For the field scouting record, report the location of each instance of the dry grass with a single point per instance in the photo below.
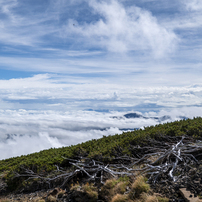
(61, 193)
(145, 197)
(91, 191)
(119, 198)
(120, 188)
(139, 187)
(51, 199)
(110, 184)
(75, 187)
(114, 190)
(107, 190)
(151, 199)
(162, 199)
(114, 187)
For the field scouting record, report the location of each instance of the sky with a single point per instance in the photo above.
(68, 67)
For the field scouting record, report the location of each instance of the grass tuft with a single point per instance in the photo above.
(119, 198)
(91, 191)
(51, 199)
(151, 199)
(161, 199)
(139, 187)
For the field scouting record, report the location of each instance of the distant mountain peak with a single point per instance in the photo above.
(133, 115)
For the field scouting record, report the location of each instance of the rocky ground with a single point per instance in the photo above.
(192, 182)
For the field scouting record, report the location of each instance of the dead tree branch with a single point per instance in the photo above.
(163, 158)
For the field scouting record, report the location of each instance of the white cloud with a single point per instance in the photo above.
(121, 30)
(193, 5)
(186, 20)
(54, 92)
(21, 28)
(26, 110)
(33, 130)
(17, 145)
(37, 130)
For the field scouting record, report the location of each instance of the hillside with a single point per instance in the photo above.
(67, 166)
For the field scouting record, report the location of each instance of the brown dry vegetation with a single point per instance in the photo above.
(114, 190)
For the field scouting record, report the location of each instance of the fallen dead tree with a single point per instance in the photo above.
(91, 170)
(177, 159)
(166, 162)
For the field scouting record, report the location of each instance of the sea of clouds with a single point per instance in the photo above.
(46, 113)
(24, 131)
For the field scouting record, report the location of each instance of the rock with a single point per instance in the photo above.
(188, 196)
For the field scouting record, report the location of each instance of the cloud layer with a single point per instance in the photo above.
(44, 111)
(25, 131)
(17, 145)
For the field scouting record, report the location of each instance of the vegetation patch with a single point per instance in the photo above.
(103, 161)
(139, 187)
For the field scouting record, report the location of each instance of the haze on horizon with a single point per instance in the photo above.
(68, 67)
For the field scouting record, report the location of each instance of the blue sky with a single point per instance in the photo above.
(80, 62)
(104, 38)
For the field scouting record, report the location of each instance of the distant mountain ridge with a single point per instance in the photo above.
(137, 115)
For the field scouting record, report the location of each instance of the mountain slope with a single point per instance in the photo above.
(105, 150)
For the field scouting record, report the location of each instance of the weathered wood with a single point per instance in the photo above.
(164, 158)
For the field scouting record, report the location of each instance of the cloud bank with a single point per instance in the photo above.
(23, 132)
(17, 145)
(46, 110)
